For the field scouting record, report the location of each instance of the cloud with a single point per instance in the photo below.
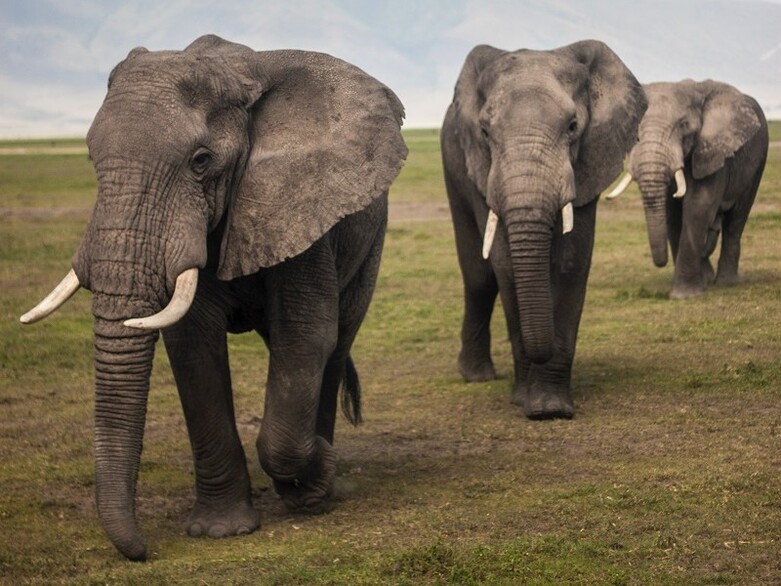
(57, 55)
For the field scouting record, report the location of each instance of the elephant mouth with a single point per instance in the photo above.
(567, 224)
(177, 307)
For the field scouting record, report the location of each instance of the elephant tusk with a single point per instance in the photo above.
(184, 293)
(567, 219)
(490, 233)
(619, 189)
(54, 300)
(680, 182)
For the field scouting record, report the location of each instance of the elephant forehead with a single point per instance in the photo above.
(664, 95)
(147, 109)
(134, 127)
(537, 68)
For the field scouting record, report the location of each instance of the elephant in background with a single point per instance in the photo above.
(698, 164)
(238, 190)
(528, 143)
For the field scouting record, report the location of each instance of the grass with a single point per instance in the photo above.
(667, 475)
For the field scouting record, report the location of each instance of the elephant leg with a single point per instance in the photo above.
(674, 224)
(354, 302)
(711, 240)
(303, 332)
(549, 390)
(197, 350)
(480, 292)
(521, 364)
(700, 207)
(732, 230)
(729, 257)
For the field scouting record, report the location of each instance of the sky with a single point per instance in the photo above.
(57, 54)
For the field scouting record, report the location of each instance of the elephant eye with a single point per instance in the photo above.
(484, 131)
(573, 127)
(200, 161)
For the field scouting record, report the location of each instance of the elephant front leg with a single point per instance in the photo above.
(197, 350)
(303, 333)
(474, 359)
(548, 388)
(480, 292)
(693, 269)
(301, 463)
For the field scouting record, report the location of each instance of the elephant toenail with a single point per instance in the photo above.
(217, 530)
(195, 530)
(243, 530)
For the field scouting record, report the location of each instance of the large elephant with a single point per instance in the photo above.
(238, 190)
(528, 144)
(709, 141)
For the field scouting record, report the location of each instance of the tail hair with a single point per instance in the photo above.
(351, 393)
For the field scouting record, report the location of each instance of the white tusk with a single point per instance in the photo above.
(184, 293)
(490, 232)
(619, 189)
(680, 182)
(54, 300)
(567, 219)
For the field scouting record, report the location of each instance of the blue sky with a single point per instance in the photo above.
(56, 54)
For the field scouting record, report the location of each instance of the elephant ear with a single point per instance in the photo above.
(467, 103)
(728, 122)
(326, 142)
(617, 103)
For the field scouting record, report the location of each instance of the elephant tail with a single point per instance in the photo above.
(351, 393)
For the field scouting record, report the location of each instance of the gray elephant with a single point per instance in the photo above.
(238, 190)
(709, 141)
(528, 144)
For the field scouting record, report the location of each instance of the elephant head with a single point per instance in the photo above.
(220, 158)
(689, 125)
(542, 131)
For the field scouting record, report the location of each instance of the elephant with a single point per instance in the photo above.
(710, 141)
(529, 141)
(237, 191)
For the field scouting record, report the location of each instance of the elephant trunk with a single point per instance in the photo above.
(655, 206)
(655, 164)
(530, 250)
(123, 364)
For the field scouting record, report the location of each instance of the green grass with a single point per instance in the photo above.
(667, 475)
(775, 130)
(421, 178)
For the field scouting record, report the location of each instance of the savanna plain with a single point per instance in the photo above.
(669, 473)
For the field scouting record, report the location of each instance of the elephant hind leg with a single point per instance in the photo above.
(729, 258)
(339, 372)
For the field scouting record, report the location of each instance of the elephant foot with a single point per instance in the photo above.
(310, 492)
(206, 521)
(708, 274)
(546, 402)
(686, 292)
(727, 279)
(476, 371)
(518, 396)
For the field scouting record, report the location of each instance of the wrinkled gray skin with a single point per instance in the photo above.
(719, 137)
(269, 172)
(527, 132)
